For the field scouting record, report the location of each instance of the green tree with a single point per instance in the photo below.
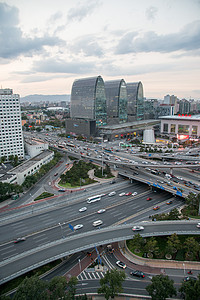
(161, 288)
(71, 288)
(174, 214)
(173, 243)
(191, 247)
(190, 289)
(57, 288)
(151, 246)
(32, 288)
(137, 242)
(111, 284)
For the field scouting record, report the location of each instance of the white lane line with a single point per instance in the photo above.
(119, 214)
(5, 253)
(39, 235)
(19, 225)
(11, 246)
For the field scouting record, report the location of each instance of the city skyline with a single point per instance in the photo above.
(46, 45)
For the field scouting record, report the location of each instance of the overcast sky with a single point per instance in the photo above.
(46, 44)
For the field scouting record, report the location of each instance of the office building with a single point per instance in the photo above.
(88, 100)
(11, 138)
(135, 104)
(116, 96)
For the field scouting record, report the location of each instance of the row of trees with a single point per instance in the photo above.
(7, 189)
(160, 288)
(191, 247)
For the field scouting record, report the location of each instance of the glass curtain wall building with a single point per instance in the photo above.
(88, 100)
(116, 95)
(135, 106)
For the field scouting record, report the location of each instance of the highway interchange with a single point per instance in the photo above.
(47, 222)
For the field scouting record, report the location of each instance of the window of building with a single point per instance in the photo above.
(183, 128)
(194, 129)
(173, 128)
(165, 127)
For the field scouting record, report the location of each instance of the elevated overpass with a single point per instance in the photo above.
(29, 260)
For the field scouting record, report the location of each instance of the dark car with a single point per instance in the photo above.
(61, 190)
(187, 278)
(137, 274)
(19, 240)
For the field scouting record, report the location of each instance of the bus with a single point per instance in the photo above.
(94, 198)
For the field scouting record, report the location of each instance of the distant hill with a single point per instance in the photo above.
(42, 98)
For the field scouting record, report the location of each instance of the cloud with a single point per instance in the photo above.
(88, 46)
(12, 41)
(81, 11)
(187, 39)
(151, 13)
(61, 66)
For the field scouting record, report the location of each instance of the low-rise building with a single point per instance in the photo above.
(18, 174)
(34, 147)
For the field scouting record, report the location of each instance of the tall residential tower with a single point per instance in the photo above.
(11, 138)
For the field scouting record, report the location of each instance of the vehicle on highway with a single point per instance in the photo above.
(134, 194)
(135, 173)
(156, 207)
(61, 190)
(94, 199)
(128, 194)
(198, 225)
(100, 211)
(83, 209)
(122, 194)
(121, 264)
(137, 228)
(79, 226)
(112, 194)
(149, 198)
(160, 181)
(137, 274)
(97, 223)
(169, 202)
(187, 278)
(55, 174)
(112, 182)
(18, 240)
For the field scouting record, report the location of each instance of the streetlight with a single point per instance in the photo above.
(102, 152)
(61, 228)
(79, 262)
(184, 268)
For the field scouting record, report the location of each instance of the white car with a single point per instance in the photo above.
(83, 209)
(137, 228)
(79, 226)
(134, 194)
(180, 178)
(100, 211)
(112, 194)
(122, 194)
(121, 264)
(198, 225)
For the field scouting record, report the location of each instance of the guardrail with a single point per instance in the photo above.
(97, 234)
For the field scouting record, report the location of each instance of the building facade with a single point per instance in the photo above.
(11, 137)
(116, 96)
(88, 100)
(34, 147)
(181, 125)
(135, 104)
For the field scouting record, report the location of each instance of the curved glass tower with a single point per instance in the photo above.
(88, 100)
(135, 105)
(116, 95)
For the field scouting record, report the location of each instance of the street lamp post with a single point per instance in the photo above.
(61, 228)
(184, 268)
(79, 262)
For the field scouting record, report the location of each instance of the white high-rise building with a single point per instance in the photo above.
(11, 137)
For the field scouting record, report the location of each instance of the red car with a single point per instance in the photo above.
(149, 198)
(128, 194)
